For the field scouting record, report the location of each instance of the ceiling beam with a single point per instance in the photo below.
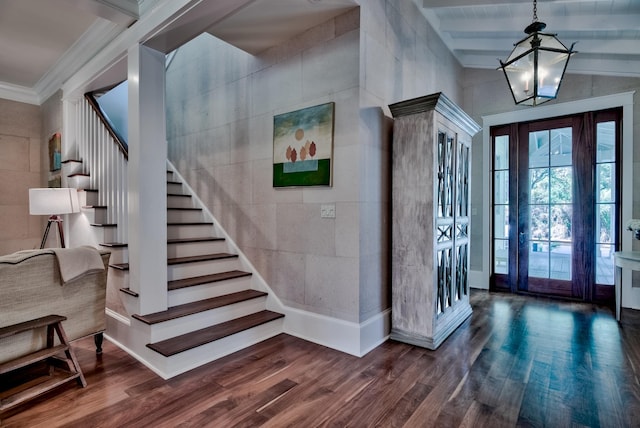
(432, 4)
(577, 65)
(555, 24)
(591, 46)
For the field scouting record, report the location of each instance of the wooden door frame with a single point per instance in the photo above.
(582, 284)
(482, 240)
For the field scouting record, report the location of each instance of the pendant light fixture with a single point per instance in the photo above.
(535, 67)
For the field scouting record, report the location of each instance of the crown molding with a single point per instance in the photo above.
(17, 93)
(99, 34)
(128, 8)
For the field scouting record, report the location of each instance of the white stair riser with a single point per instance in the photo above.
(87, 198)
(179, 202)
(70, 168)
(190, 231)
(105, 234)
(184, 216)
(118, 254)
(121, 275)
(118, 279)
(188, 249)
(174, 188)
(188, 324)
(95, 215)
(189, 270)
(192, 358)
(79, 182)
(209, 290)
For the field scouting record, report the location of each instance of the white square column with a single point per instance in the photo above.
(147, 178)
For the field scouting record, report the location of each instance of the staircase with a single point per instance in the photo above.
(215, 305)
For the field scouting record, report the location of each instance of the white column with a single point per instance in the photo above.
(147, 179)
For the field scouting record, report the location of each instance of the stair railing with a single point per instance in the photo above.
(106, 163)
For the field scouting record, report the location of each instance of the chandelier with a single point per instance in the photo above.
(535, 67)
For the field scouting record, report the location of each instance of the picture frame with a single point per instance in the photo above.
(303, 147)
(55, 152)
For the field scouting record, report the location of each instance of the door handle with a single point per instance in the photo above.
(522, 238)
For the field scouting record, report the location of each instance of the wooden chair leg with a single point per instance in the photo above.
(98, 338)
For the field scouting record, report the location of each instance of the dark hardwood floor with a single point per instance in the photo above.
(518, 361)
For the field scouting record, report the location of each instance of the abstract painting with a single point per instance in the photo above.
(303, 147)
(55, 152)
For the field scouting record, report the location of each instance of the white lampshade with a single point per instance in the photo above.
(53, 201)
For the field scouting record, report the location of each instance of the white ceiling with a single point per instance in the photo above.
(35, 34)
(478, 32)
(39, 38)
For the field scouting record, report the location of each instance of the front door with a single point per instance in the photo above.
(555, 217)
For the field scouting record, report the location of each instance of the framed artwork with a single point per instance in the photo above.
(55, 152)
(303, 147)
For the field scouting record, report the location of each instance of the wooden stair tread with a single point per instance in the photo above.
(205, 279)
(95, 207)
(173, 182)
(199, 306)
(31, 358)
(79, 174)
(114, 244)
(179, 194)
(71, 160)
(184, 209)
(201, 258)
(194, 223)
(58, 378)
(120, 266)
(197, 338)
(104, 224)
(129, 291)
(191, 240)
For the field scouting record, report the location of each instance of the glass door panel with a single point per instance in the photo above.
(606, 192)
(501, 205)
(550, 204)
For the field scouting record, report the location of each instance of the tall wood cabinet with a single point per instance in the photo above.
(430, 219)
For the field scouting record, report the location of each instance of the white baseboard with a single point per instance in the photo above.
(352, 338)
(477, 280)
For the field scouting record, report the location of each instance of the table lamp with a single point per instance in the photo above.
(53, 202)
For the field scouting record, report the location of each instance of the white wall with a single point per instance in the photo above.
(401, 57)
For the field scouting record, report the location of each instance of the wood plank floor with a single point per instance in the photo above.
(518, 361)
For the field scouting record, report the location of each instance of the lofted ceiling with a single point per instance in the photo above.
(43, 41)
(478, 32)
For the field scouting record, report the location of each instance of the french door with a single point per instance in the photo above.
(555, 221)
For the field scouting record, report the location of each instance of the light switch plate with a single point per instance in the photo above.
(328, 211)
